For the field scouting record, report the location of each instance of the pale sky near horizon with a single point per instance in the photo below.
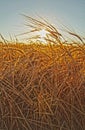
(70, 12)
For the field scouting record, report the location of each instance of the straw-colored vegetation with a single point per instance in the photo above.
(42, 87)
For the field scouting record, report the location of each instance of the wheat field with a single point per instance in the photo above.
(42, 86)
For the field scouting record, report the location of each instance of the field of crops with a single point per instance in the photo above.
(42, 86)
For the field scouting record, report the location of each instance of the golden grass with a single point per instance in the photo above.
(42, 87)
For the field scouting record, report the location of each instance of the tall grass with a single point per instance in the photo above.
(42, 87)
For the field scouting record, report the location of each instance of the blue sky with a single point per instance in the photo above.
(70, 12)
